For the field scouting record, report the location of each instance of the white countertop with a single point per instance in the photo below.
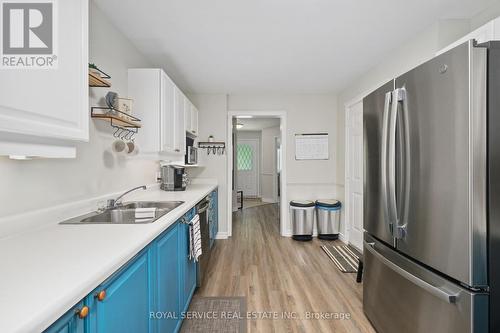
(45, 271)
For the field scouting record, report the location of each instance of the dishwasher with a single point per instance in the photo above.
(202, 211)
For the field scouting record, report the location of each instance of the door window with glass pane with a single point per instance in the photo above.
(244, 157)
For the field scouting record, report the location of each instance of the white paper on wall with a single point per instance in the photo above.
(313, 146)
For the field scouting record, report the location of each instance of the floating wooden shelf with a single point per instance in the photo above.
(97, 81)
(115, 117)
(118, 121)
(212, 144)
(214, 147)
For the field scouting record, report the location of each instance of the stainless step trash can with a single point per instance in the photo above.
(302, 217)
(328, 218)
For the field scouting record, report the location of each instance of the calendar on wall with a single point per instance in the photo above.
(312, 146)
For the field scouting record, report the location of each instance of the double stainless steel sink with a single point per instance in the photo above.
(128, 213)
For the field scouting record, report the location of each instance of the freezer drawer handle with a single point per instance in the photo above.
(439, 293)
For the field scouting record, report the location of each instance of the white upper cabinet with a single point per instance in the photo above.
(165, 112)
(187, 114)
(191, 118)
(44, 79)
(154, 96)
(168, 114)
(146, 89)
(194, 120)
(180, 132)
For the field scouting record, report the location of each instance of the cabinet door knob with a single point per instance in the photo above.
(101, 295)
(83, 312)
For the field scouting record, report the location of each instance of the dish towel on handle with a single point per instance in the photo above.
(195, 238)
(145, 213)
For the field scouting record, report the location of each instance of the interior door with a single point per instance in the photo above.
(447, 164)
(355, 174)
(247, 166)
(375, 219)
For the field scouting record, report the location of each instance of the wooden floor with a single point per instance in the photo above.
(278, 274)
(253, 202)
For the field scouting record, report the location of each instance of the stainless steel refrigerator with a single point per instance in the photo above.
(432, 196)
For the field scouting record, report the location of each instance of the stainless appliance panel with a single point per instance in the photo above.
(446, 204)
(192, 155)
(375, 214)
(401, 296)
(494, 183)
(202, 211)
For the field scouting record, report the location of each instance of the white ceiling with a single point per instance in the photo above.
(257, 124)
(268, 46)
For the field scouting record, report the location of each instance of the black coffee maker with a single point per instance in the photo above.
(173, 178)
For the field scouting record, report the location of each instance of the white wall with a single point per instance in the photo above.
(484, 16)
(212, 121)
(28, 185)
(305, 114)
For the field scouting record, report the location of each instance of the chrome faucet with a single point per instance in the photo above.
(112, 203)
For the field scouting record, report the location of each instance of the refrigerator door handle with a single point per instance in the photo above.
(401, 216)
(403, 220)
(436, 291)
(391, 158)
(384, 159)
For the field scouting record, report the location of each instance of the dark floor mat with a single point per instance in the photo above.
(345, 257)
(216, 314)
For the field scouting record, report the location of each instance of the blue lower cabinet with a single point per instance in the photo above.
(188, 268)
(168, 276)
(71, 322)
(147, 295)
(127, 302)
(213, 215)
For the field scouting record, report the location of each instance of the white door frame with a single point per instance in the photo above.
(258, 157)
(275, 169)
(284, 223)
(347, 108)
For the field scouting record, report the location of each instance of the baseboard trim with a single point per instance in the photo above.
(268, 200)
(221, 235)
(343, 238)
(315, 235)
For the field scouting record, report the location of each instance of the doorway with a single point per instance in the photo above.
(354, 174)
(258, 166)
(247, 167)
